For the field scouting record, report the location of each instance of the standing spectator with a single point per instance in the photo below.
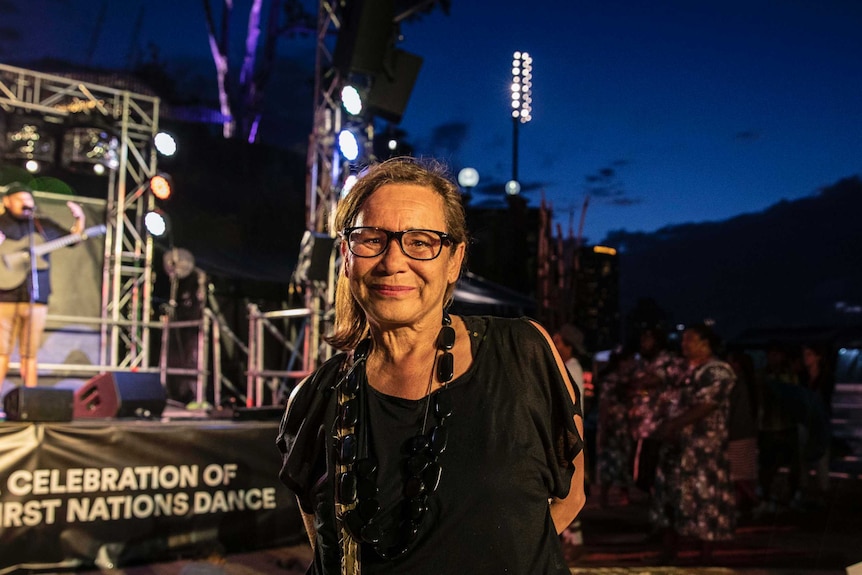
(701, 503)
(742, 431)
(614, 441)
(651, 393)
(569, 341)
(778, 436)
(819, 380)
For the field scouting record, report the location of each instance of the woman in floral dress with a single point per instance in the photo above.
(700, 495)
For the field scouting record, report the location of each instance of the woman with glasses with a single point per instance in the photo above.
(434, 443)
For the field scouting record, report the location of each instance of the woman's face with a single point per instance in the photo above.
(810, 357)
(393, 289)
(694, 346)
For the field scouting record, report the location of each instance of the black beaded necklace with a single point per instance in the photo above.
(356, 483)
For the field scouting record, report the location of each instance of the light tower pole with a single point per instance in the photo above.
(522, 105)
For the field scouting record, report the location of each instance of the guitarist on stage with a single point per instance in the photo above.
(24, 308)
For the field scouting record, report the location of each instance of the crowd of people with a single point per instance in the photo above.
(709, 434)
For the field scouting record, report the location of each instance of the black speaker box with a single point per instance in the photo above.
(366, 32)
(121, 394)
(392, 87)
(314, 253)
(38, 404)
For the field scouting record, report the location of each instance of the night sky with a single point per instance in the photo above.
(664, 112)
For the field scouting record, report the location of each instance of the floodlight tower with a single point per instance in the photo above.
(522, 105)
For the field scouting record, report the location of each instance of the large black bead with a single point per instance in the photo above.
(347, 449)
(347, 488)
(371, 533)
(439, 439)
(414, 487)
(354, 523)
(431, 477)
(367, 468)
(351, 383)
(366, 488)
(445, 367)
(446, 339)
(348, 413)
(442, 404)
(417, 444)
(368, 508)
(416, 464)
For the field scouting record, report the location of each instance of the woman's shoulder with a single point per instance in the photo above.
(320, 380)
(501, 326)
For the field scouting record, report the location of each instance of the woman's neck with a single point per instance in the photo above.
(401, 362)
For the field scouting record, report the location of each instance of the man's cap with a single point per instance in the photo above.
(15, 188)
(573, 337)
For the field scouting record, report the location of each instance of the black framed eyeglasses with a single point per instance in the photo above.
(368, 242)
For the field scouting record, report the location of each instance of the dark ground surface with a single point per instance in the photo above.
(812, 537)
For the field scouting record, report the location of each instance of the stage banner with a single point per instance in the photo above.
(117, 493)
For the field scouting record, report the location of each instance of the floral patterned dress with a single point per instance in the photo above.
(615, 441)
(694, 493)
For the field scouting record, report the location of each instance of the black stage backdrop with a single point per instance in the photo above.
(115, 493)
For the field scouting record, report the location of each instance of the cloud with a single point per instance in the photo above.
(604, 184)
(447, 139)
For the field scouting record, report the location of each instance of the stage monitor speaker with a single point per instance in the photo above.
(314, 253)
(367, 29)
(38, 404)
(392, 87)
(121, 394)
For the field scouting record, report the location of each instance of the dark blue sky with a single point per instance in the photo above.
(702, 110)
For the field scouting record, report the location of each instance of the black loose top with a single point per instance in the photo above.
(511, 443)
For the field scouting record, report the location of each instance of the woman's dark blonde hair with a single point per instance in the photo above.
(351, 324)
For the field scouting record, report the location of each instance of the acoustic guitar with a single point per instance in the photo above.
(15, 254)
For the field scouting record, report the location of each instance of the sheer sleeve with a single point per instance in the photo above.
(565, 443)
(303, 432)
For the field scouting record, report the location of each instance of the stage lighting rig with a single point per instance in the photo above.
(90, 149)
(29, 142)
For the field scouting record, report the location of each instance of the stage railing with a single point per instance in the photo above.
(260, 324)
(212, 333)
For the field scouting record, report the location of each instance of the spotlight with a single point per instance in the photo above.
(165, 143)
(351, 100)
(348, 145)
(156, 223)
(160, 185)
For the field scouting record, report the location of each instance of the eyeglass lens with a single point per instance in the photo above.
(417, 244)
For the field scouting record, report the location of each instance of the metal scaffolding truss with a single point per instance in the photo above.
(326, 171)
(127, 273)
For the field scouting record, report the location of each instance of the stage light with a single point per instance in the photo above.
(348, 145)
(160, 185)
(156, 223)
(165, 143)
(29, 142)
(351, 100)
(90, 149)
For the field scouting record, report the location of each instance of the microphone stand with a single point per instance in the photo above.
(33, 291)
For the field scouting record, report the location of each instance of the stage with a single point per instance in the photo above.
(113, 492)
